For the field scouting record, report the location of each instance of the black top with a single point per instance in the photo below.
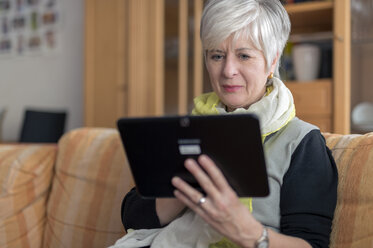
(307, 202)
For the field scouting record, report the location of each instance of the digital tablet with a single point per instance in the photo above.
(156, 148)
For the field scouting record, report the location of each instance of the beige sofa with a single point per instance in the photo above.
(69, 195)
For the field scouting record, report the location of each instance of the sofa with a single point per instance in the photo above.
(69, 194)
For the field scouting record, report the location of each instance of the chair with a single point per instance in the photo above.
(362, 117)
(2, 115)
(42, 126)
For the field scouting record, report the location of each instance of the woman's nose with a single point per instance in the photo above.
(230, 68)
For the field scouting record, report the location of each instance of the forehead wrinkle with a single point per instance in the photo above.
(234, 44)
(243, 49)
(216, 50)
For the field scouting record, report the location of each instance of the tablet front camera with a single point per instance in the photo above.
(184, 122)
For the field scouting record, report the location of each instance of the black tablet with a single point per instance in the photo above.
(156, 148)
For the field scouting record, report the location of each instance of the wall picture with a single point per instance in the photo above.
(29, 27)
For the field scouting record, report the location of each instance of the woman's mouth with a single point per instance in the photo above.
(231, 88)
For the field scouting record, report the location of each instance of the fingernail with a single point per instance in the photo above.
(175, 180)
(188, 162)
(202, 157)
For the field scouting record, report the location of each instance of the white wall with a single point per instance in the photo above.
(47, 81)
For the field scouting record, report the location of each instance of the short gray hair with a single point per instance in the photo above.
(263, 22)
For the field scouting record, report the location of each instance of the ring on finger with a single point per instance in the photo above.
(201, 201)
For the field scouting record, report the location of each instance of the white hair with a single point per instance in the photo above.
(265, 23)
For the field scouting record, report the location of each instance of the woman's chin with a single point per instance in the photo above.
(234, 104)
(232, 107)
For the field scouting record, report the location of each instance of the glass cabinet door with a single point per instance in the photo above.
(361, 65)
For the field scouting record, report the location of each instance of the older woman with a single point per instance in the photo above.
(243, 41)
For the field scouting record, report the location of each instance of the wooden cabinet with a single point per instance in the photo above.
(313, 102)
(124, 66)
(130, 69)
(144, 57)
(325, 102)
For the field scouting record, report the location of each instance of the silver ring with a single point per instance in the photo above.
(201, 201)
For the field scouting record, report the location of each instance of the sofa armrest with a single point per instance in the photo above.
(26, 172)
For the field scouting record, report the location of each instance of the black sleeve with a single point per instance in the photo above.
(139, 213)
(309, 192)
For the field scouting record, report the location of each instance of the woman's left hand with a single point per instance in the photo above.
(222, 208)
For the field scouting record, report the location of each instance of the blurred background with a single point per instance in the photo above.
(41, 61)
(98, 60)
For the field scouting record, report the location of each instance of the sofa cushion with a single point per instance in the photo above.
(91, 179)
(25, 177)
(353, 219)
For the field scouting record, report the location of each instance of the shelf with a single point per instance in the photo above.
(317, 81)
(309, 7)
(309, 37)
(311, 17)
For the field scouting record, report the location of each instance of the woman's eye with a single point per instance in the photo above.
(217, 57)
(244, 56)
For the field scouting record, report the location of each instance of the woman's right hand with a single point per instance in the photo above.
(168, 209)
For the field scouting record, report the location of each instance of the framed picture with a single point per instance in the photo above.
(29, 27)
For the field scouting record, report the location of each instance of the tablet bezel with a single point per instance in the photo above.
(154, 149)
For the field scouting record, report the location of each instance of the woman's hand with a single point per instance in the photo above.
(222, 209)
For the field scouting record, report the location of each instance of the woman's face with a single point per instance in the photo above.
(237, 73)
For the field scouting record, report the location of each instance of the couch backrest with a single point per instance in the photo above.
(353, 218)
(92, 176)
(91, 179)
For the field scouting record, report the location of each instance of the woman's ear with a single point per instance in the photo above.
(274, 62)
